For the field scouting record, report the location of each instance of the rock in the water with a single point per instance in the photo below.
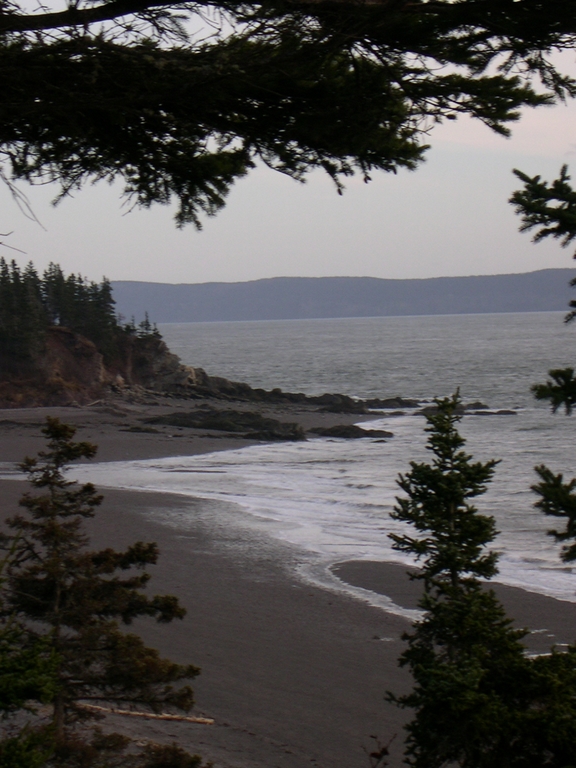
(349, 432)
(468, 410)
(338, 403)
(250, 424)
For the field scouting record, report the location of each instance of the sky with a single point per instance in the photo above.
(449, 217)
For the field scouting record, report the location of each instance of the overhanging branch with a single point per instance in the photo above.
(79, 17)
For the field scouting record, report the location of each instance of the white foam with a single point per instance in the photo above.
(331, 498)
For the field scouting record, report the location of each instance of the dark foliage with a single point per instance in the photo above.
(23, 319)
(73, 599)
(436, 502)
(27, 678)
(30, 304)
(558, 499)
(551, 210)
(116, 751)
(27, 668)
(27, 749)
(560, 391)
(479, 701)
(116, 89)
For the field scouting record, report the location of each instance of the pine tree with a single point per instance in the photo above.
(53, 290)
(22, 316)
(30, 305)
(479, 702)
(550, 209)
(74, 599)
(26, 667)
(104, 89)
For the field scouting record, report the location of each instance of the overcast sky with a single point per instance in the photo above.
(450, 217)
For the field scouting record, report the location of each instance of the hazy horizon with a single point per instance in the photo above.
(448, 218)
(342, 277)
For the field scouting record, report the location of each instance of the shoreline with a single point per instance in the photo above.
(116, 427)
(109, 425)
(293, 674)
(550, 621)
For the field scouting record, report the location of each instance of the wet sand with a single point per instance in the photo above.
(293, 675)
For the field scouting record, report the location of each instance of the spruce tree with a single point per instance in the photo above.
(75, 599)
(22, 315)
(27, 678)
(550, 210)
(479, 701)
(105, 89)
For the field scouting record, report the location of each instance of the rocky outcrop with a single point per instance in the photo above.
(350, 432)
(249, 424)
(476, 408)
(71, 370)
(147, 362)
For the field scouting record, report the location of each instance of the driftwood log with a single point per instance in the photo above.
(149, 715)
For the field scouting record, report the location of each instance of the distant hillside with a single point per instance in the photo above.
(288, 298)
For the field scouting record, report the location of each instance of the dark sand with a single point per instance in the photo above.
(293, 675)
(118, 428)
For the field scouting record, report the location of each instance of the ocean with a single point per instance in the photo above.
(325, 501)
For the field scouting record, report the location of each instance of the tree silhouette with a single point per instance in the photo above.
(479, 701)
(74, 600)
(123, 89)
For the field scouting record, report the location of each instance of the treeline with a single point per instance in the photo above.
(31, 303)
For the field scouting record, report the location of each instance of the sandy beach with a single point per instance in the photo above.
(293, 675)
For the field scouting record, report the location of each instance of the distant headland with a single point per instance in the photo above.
(63, 340)
(291, 298)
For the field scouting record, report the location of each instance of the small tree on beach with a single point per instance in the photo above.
(27, 676)
(73, 600)
(479, 701)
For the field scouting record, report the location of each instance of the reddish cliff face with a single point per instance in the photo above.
(72, 371)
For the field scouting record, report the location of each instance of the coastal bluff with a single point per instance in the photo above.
(70, 370)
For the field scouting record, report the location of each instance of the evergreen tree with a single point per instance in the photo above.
(30, 304)
(73, 599)
(550, 209)
(558, 498)
(26, 668)
(22, 315)
(27, 677)
(106, 89)
(53, 293)
(479, 701)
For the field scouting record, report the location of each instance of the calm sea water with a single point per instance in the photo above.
(495, 357)
(330, 500)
